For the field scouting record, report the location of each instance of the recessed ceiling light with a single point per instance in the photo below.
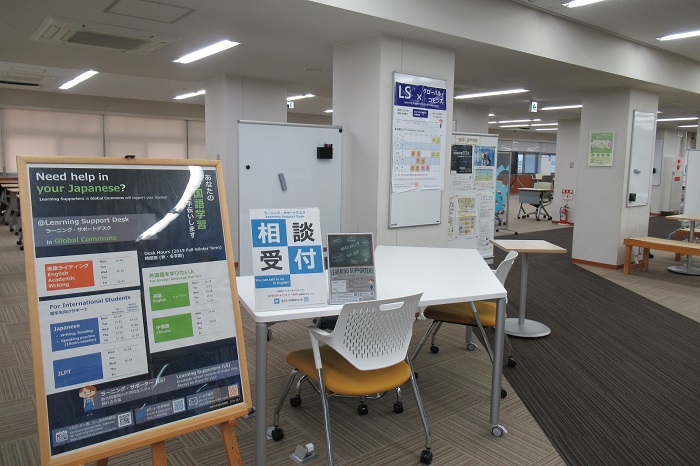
(206, 51)
(330, 110)
(191, 94)
(488, 94)
(546, 129)
(544, 124)
(519, 121)
(680, 35)
(515, 126)
(677, 119)
(79, 79)
(561, 107)
(576, 3)
(688, 126)
(297, 97)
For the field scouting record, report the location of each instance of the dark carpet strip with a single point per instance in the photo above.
(617, 380)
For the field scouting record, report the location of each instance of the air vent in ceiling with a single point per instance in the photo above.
(74, 32)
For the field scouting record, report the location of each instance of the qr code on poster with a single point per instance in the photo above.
(232, 391)
(61, 436)
(124, 419)
(178, 405)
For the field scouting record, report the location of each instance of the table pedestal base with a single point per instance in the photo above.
(684, 269)
(529, 328)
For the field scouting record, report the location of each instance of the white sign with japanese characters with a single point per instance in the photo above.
(288, 258)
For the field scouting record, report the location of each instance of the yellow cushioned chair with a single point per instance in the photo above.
(471, 314)
(365, 354)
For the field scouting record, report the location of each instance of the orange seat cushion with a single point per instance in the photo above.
(461, 313)
(343, 378)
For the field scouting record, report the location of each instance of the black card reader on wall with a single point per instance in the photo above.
(325, 152)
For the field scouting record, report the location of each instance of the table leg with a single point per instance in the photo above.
(260, 393)
(688, 268)
(522, 327)
(496, 376)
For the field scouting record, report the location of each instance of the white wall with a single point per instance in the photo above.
(568, 137)
(471, 118)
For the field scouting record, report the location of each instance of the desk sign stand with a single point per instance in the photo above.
(135, 322)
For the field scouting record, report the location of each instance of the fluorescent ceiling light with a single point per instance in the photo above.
(488, 94)
(515, 126)
(191, 94)
(544, 124)
(677, 119)
(519, 121)
(330, 110)
(576, 3)
(206, 51)
(492, 114)
(297, 97)
(680, 35)
(492, 122)
(688, 126)
(546, 129)
(79, 79)
(562, 107)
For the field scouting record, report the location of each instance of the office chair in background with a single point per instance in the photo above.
(365, 354)
(470, 314)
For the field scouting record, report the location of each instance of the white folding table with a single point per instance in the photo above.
(442, 275)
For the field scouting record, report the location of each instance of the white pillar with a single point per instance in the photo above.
(471, 118)
(229, 99)
(363, 72)
(568, 136)
(603, 219)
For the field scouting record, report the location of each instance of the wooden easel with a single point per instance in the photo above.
(228, 433)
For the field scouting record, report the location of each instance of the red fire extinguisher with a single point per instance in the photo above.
(564, 214)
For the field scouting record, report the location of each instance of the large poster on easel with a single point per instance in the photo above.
(136, 330)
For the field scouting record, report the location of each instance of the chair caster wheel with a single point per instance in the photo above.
(426, 457)
(504, 393)
(499, 431)
(398, 407)
(277, 434)
(362, 409)
(511, 362)
(295, 401)
(471, 346)
(434, 349)
(538, 219)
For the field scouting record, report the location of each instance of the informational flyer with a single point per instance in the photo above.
(472, 192)
(419, 133)
(600, 153)
(351, 268)
(135, 309)
(287, 258)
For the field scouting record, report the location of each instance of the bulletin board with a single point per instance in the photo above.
(419, 150)
(472, 192)
(135, 322)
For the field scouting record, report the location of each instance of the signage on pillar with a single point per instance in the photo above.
(533, 106)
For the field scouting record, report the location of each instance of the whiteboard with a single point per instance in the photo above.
(692, 182)
(641, 158)
(266, 150)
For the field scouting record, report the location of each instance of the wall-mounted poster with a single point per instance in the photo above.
(351, 268)
(600, 152)
(135, 320)
(288, 258)
(472, 198)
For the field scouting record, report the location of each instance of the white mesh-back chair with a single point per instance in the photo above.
(365, 354)
(471, 314)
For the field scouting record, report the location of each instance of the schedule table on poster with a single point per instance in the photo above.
(520, 326)
(688, 268)
(443, 275)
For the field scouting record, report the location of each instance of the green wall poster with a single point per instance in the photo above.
(600, 151)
